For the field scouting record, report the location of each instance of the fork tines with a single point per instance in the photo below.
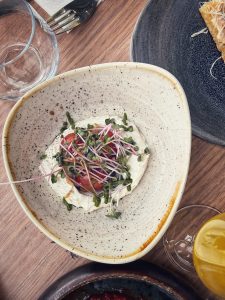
(72, 15)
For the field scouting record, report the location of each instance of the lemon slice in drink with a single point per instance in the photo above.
(209, 254)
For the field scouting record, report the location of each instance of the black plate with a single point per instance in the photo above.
(139, 280)
(163, 37)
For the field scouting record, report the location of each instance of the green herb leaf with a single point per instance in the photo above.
(59, 158)
(88, 154)
(64, 127)
(62, 174)
(53, 178)
(124, 120)
(72, 170)
(127, 181)
(106, 196)
(70, 120)
(147, 151)
(139, 157)
(110, 121)
(106, 139)
(68, 205)
(43, 156)
(129, 188)
(114, 214)
(129, 140)
(125, 128)
(96, 200)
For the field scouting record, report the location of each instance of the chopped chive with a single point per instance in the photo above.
(56, 155)
(110, 121)
(139, 157)
(95, 136)
(53, 178)
(106, 196)
(114, 214)
(96, 200)
(43, 156)
(68, 205)
(124, 120)
(127, 181)
(125, 128)
(70, 120)
(59, 158)
(89, 126)
(81, 132)
(64, 127)
(128, 175)
(129, 140)
(62, 174)
(129, 188)
(106, 139)
(114, 202)
(147, 151)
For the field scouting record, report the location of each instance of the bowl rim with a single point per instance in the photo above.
(146, 247)
(139, 272)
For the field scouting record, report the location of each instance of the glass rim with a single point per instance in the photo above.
(29, 9)
(198, 206)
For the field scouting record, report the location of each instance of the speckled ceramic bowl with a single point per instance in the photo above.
(155, 101)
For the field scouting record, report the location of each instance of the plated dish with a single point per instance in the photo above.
(165, 36)
(145, 109)
(95, 162)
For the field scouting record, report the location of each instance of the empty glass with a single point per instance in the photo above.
(28, 49)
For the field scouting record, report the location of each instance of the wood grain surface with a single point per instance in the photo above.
(29, 262)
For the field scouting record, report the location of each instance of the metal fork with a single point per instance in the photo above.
(72, 15)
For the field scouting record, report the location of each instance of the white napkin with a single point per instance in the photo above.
(52, 6)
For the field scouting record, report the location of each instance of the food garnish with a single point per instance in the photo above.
(114, 214)
(68, 205)
(43, 156)
(95, 159)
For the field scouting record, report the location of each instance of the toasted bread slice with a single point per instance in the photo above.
(213, 13)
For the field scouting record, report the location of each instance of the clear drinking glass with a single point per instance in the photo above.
(195, 241)
(28, 49)
(179, 239)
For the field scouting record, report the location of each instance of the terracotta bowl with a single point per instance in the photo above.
(156, 102)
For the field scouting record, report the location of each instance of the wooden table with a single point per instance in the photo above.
(29, 262)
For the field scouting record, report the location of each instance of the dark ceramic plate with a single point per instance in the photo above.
(162, 37)
(139, 280)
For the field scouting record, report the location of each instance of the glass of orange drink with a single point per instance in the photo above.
(209, 254)
(195, 240)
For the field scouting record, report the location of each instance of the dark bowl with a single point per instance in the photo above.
(138, 281)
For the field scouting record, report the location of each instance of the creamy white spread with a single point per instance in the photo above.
(65, 189)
